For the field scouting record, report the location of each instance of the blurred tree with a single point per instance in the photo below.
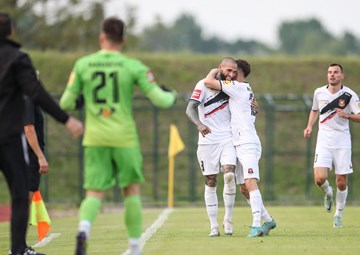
(188, 34)
(303, 37)
(46, 24)
(131, 21)
(350, 44)
(73, 25)
(157, 37)
(310, 38)
(249, 47)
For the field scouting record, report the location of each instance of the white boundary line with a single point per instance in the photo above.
(152, 229)
(46, 240)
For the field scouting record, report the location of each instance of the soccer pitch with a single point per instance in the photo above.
(300, 230)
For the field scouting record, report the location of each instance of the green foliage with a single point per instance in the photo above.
(274, 76)
(44, 26)
(279, 75)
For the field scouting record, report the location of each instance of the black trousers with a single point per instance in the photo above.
(14, 168)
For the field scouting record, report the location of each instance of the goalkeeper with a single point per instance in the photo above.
(107, 80)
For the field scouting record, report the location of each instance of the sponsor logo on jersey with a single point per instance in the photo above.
(250, 171)
(227, 82)
(150, 76)
(106, 112)
(196, 94)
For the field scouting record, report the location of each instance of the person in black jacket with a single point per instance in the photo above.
(18, 77)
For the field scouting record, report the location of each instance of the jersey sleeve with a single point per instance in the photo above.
(315, 105)
(144, 77)
(72, 90)
(354, 104)
(198, 92)
(229, 87)
(148, 86)
(29, 117)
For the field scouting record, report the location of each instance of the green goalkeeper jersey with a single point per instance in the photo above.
(107, 80)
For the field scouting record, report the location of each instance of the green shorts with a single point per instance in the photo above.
(106, 166)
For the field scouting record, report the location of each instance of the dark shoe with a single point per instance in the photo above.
(30, 251)
(81, 244)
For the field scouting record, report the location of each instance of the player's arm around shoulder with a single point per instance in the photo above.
(211, 81)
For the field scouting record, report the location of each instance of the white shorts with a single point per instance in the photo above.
(248, 156)
(212, 156)
(339, 158)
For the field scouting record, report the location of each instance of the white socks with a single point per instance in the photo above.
(326, 188)
(211, 202)
(265, 216)
(135, 246)
(85, 226)
(340, 202)
(229, 194)
(256, 204)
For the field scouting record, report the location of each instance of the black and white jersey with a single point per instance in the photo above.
(334, 131)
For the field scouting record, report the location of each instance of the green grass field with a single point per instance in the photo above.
(300, 230)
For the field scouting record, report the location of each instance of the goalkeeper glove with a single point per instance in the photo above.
(167, 89)
(79, 103)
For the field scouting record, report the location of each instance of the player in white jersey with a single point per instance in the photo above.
(209, 111)
(246, 141)
(336, 104)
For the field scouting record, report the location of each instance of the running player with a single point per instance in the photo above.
(336, 104)
(107, 80)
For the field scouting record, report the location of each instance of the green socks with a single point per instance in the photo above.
(89, 208)
(133, 216)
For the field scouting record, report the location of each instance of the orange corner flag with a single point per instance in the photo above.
(176, 144)
(39, 216)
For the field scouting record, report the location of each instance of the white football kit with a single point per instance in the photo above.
(216, 148)
(245, 137)
(333, 145)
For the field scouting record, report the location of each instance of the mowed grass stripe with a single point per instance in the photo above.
(300, 230)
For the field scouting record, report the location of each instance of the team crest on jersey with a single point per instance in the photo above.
(250, 171)
(196, 94)
(150, 76)
(341, 103)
